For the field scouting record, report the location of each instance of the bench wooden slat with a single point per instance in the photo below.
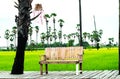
(63, 53)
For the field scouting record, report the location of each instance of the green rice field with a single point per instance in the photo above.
(102, 59)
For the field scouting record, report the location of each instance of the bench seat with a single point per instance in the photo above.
(60, 61)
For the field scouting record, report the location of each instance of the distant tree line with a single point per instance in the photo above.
(55, 38)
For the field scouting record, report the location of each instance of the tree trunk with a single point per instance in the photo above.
(36, 38)
(23, 23)
(18, 66)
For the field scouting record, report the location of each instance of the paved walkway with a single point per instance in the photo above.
(106, 74)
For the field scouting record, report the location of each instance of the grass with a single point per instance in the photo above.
(103, 59)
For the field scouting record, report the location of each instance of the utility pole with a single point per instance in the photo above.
(80, 21)
(119, 40)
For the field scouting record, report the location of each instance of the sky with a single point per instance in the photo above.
(105, 12)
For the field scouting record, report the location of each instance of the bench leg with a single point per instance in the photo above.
(46, 68)
(41, 69)
(77, 69)
(80, 68)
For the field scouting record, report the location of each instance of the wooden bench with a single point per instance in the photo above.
(63, 55)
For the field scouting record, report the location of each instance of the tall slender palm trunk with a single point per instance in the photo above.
(54, 30)
(36, 37)
(47, 33)
(61, 36)
(23, 22)
(94, 23)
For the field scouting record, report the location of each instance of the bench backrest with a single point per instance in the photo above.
(63, 53)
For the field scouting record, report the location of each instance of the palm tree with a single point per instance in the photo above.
(37, 30)
(60, 37)
(49, 34)
(88, 35)
(61, 21)
(51, 37)
(43, 36)
(49, 29)
(85, 34)
(11, 39)
(7, 35)
(70, 40)
(46, 18)
(100, 31)
(64, 35)
(94, 23)
(30, 32)
(14, 30)
(97, 36)
(78, 27)
(74, 36)
(69, 37)
(53, 15)
(78, 37)
(23, 21)
(54, 36)
(91, 39)
(111, 40)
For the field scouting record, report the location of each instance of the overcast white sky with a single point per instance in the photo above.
(105, 11)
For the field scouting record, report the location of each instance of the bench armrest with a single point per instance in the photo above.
(80, 56)
(43, 58)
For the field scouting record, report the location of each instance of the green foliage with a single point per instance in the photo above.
(70, 42)
(102, 59)
(85, 44)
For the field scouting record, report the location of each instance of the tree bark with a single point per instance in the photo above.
(23, 23)
(18, 66)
